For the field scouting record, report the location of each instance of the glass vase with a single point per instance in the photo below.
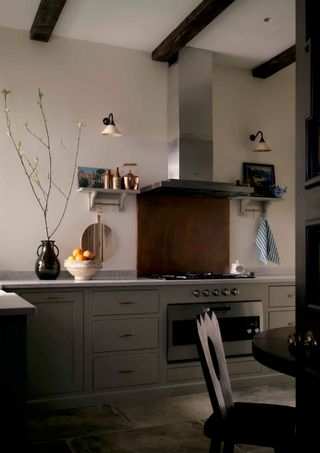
(47, 265)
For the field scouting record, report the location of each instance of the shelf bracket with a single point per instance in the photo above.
(92, 198)
(116, 199)
(246, 203)
(107, 197)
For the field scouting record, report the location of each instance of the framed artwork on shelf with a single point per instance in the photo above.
(259, 176)
(91, 177)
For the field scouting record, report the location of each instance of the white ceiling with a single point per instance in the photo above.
(239, 35)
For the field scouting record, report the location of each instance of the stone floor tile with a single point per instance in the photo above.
(184, 437)
(170, 425)
(66, 423)
(165, 410)
(280, 394)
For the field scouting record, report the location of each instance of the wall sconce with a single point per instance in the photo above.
(261, 145)
(110, 129)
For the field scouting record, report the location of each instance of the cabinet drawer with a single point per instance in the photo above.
(56, 296)
(125, 302)
(282, 296)
(125, 334)
(281, 319)
(125, 370)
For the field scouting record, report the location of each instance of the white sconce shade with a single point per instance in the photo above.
(261, 145)
(110, 129)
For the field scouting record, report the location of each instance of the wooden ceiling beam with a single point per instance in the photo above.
(198, 19)
(46, 18)
(280, 61)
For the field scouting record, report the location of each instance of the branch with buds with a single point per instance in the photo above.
(42, 189)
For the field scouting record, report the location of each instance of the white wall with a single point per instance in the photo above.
(81, 81)
(87, 81)
(242, 106)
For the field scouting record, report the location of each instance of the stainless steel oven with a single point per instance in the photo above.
(239, 321)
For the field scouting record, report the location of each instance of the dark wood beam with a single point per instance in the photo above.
(46, 18)
(276, 63)
(199, 18)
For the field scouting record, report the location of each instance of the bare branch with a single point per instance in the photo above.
(31, 168)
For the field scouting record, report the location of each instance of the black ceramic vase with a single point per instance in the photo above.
(47, 265)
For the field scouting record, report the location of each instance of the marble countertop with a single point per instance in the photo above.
(12, 305)
(70, 283)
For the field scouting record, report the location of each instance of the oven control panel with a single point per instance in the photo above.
(216, 292)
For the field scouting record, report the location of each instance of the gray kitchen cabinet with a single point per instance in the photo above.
(282, 296)
(281, 318)
(55, 343)
(125, 302)
(125, 334)
(281, 306)
(125, 370)
(125, 338)
(96, 343)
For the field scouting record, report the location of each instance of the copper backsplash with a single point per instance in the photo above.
(182, 234)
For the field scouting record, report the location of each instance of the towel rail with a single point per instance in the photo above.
(249, 204)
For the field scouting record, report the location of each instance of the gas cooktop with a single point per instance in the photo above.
(199, 276)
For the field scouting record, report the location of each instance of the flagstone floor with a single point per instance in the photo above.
(167, 425)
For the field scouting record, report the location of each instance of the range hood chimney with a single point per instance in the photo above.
(190, 144)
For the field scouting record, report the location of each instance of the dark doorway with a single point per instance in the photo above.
(308, 221)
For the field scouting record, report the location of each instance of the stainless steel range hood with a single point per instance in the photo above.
(190, 144)
(197, 188)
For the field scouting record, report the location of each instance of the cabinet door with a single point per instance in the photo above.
(55, 343)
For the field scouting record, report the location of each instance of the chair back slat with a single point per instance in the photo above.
(213, 362)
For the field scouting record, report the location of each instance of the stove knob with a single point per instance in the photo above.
(196, 293)
(235, 292)
(206, 292)
(257, 330)
(216, 292)
(249, 331)
(226, 292)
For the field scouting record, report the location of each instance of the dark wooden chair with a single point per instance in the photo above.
(267, 425)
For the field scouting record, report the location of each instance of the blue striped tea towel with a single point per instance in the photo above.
(266, 243)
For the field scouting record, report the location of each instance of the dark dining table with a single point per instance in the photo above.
(270, 348)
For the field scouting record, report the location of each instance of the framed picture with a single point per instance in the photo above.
(260, 177)
(91, 177)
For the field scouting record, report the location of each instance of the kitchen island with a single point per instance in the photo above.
(104, 340)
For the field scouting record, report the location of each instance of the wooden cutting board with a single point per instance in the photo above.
(99, 238)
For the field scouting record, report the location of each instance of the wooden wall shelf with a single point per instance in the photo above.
(108, 197)
(255, 204)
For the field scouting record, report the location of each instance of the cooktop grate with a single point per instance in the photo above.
(199, 276)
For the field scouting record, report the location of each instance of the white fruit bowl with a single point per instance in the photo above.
(83, 270)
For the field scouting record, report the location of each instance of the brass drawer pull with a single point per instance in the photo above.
(124, 335)
(126, 303)
(125, 371)
(290, 295)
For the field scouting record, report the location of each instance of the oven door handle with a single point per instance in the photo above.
(219, 309)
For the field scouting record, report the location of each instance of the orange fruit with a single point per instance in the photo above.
(88, 254)
(77, 251)
(70, 258)
(80, 257)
